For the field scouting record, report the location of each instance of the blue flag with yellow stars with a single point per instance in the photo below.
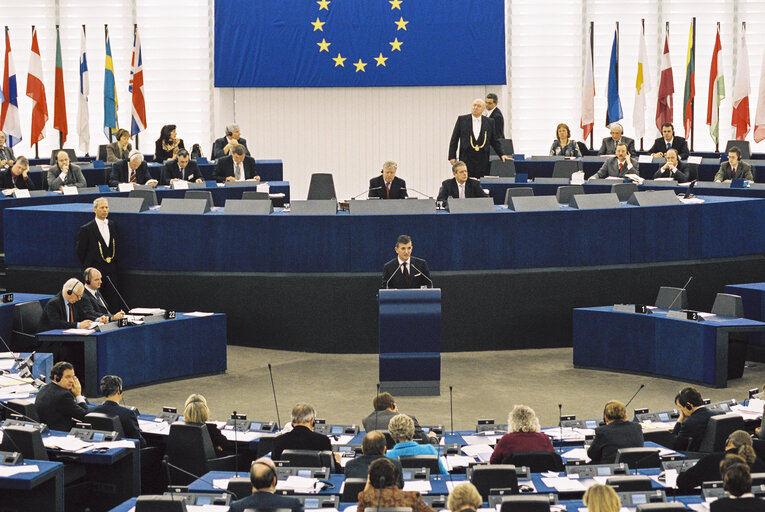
(347, 43)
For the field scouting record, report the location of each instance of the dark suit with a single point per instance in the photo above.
(114, 153)
(127, 417)
(224, 168)
(55, 314)
(743, 170)
(611, 168)
(56, 407)
(299, 438)
(6, 153)
(358, 467)
(397, 188)
(90, 247)
(499, 122)
(171, 170)
(264, 500)
(73, 178)
(120, 173)
(7, 181)
(687, 436)
(449, 188)
(681, 175)
(678, 143)
(477, 160)
(221, 143)
(379, 420)
(608, 147)
(707, 469)
(419, 274)
(749, 504)
(609, 438)
(92, 307)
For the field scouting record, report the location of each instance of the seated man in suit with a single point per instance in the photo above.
(17, 176)
(734, 167)
(385, 408)
(60, 402)
(674, 168)
(93, 304)
(618, 166)
(302, 436)
(460, 187)
(6, 153)
(668, 141)
(132, 170)
(111, 390)
(388, 185)
(616, 433)
(62, 310)
(180, 168)
(263, 478)
(608, 147)
(692, 423)
(373, 448)
(223, 146)
(238, 166)
(65, 174)
(405, 271)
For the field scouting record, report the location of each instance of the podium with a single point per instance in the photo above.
(410, 341)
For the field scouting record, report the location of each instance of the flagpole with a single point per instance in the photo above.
(693, 100)
(642, 24)
(592, 65)
(106, 39)
(717, 107)
(87, 153)
(135, 31)
(37, 147)
(60, 135)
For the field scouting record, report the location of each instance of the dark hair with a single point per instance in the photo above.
(110, 385)
(734, 149)
(493, 97)
(402, 240)
(383, 473)
(665, 125)
(568, 130)
(58, 370)
(689, 396)
(182, 152)
(238, 149)
(736, 475)
(373, 443)
(121, 132)
(164, 133)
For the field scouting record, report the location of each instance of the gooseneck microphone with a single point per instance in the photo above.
(236, 445)
(168, 465)
(421, 272)
(560, 427)
(633, 396)
(417, 191)
(127, 308)
(276, 405)
(391, 276)
(680, 292)
(451, 410)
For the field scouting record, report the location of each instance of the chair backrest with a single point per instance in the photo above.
(26, 440)
(502, 169)
(525, 504)
(506, 145)
(719, 427)
(630, 483)
(322, 186)
(149, 196)
(518, 192)
(241, 486)
(727, 304)
(421, 461)
(495, 476)
(566, 192)
(624, 190)
(351, 489)
(101, 421)
(72, 156)
(759, 447)
(251, 194)
(200, 194)
(693, 172)
(565, 168)
(308, 458)
(265, 445)
(639, 458)
(743, 145)
(537, 461)
(25, 407)
(157, 503)
(189, 447)
(26, 317)
(102, 152)
(668, 296)
(583, 149)
(389, 441)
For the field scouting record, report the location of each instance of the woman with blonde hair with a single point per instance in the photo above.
(601, 498)
(523, 435)
(464, 498)
(196, 412)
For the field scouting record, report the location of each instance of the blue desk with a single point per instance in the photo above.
(141, 354)
(42, 490)
(41, 366)
(656, 344)
(753, 298)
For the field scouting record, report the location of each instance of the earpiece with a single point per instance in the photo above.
(70, 291)
(86, 275)
(229, 133)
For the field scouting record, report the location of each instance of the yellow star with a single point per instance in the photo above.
(395, 45)
(318, 24)
(400, 23)
(395, 4)
(323, 4)
(323, 45)
(360, 66)
(381, 60)
(339, 60)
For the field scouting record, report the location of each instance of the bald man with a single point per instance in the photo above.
(263, 478)
(475, 133)
(373, 447)
(65, 173)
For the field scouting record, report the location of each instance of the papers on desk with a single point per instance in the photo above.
(220, 483)
(481, 440)
(6, 471)
(300, 484)
(623, 509)
(658, 425)
(8, 355)
(17, 391)
(244, 437)
(670, 478)
(73, 444)
(752, 411)
(690, 200)
(699, 507)
(147, 311)
(569, 433)
(199, 314)
(478, 450)
(7, 364)
(154, 427)
(422, 486)
(207, 508)
(13, 380)
(563, 484)
(263, 187)
(338, 440)
(577, 453)
(458, 461)
(81, 332)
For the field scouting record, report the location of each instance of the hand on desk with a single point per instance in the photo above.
(104, 319)
(506, 158)
(119, 315)
(85, 324)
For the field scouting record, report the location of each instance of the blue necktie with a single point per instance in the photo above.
(669, 145)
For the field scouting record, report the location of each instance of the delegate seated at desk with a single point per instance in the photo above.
(6, 153)
(405, 271)
(674, 168)
(692, 423)
(302, 436)
(608, 146)
(62, 310)
(237, 166)
(382, 490)
(17, 177)
(223, 146)
(111, 390)
(180, 168)
(388, 185)
(93, 304)
(133, 170)
(737, 479)
(617, 433)
(385, 408)
(65, 174)
(734, 168)
(618, 166)
(401, 428)
(263, 479)
(668, 141)
(460, 186)
(119, 149)
(373, 448)
(61, 401)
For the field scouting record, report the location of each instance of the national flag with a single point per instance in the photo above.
(83, 115)
(642, 86)
(138, 117)
(740, 118)
(690, 85)
(36, 91)
(664, 105)
(9, 113)
(759, 116)
(614, 111)
(587, 121)
(59, 98)
(111, 105)
(716, 91)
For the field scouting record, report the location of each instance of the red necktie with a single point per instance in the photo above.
(620, 167)
(71, 313)
(132, 176)
(387, 190)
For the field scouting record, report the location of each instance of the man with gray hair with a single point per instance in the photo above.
(302, 436)
(475, 133)
(62, 311)
(65, 174)
(608, 147)
(97, 247)
(388, 185)
(223, 146)
(134, 170)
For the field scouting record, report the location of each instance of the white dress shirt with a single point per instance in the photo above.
(103, 227)
(476, 127)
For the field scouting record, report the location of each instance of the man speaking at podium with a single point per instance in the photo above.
(406, 271)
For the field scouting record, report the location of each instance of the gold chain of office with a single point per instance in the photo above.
(108, 259)
(474, 146)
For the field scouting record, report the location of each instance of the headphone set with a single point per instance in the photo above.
(86, 275)
(270, 469)
(57, 372)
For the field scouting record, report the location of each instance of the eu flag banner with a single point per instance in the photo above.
(347, 43)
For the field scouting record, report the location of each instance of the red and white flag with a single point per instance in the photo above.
(740, 119)
(587, 121)
(36, 91)
(664, 105)
(759, 116)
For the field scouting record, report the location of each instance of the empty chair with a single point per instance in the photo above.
(566, 192)
(743, 145)
(73, 157)
(26, 440)
(502, 169)
(322, 186)
(525, 504)
(421, 461)
(200, 194)
(159, 503)
(25, 407)
(506, 145)
(630, 483)
(639, 458)
(668, 296)
(727, 304)
(693, 171)
(718, 429)
(102, 152)
(101, 421)
(623, 190)
(189, 447)
(583, 148)
(351, 489)
(537, 462)
(565, 168)
(251, 194)
(149, 196)
(26, 323)
(308, 458)
(241, 486)
(494, 476)
(517, 192)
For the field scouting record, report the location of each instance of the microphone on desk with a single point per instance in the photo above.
(376, 402)
(680, 292)
(365, 192)
(417, 191)
(236, 445)
(422, 273)
(560, 427)
(16, 359)
(276, 405)
(633, 396)
(127, 308)
(168, 465)
(391, 277)
(451, 410)
(16, 413)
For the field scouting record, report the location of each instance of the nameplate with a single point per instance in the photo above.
(685, 314)
(632, 308)
(645, 159)
(21, 193)
(314, 207)
(471, 205)
(70, 190)
(180, 185)
(7, 297)
(127, 205)
(169, 315)
(247, 207)
(123, 322)
(392, 207)
(125, 187)
(660, 183)
(694, 160)
(110, 326)
(152, 319)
